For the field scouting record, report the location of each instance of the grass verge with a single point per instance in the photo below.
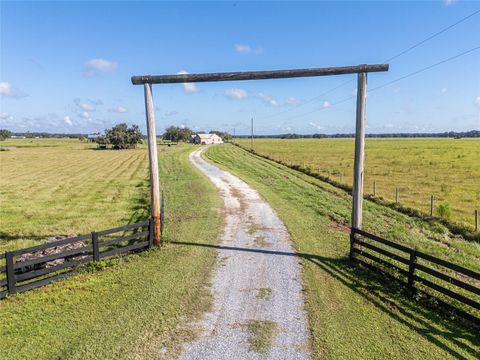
(354, 313)
(260, 335)
(133, 310)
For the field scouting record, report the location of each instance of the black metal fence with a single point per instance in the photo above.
(455, 284)
(39, 265)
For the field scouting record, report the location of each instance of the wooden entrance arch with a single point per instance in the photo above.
(360, 70)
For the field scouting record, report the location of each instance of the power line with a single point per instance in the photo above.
(426, 68)
(393, 81)
(308, 101)
(432, 36)
(385, 61)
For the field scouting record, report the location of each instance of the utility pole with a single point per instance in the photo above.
(251, 140)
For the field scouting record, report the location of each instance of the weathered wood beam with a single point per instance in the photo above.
(256, 75)
(358, 166)
(153, 162)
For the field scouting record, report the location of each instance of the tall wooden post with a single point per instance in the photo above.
(432, 202)
(251, 138)
(153, 161)
(358, 167)
(476, 219)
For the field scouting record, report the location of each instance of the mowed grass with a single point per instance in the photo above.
(136, 306)
(51, 187)
(353, 313)
(447, 168)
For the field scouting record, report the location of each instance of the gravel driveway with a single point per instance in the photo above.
(258, 310)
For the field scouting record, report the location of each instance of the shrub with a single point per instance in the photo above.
(444, 210)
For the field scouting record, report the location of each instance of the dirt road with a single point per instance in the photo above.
(258, 310)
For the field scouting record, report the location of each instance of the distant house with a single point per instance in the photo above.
(93, 137)
(206, 139)
(17, 137)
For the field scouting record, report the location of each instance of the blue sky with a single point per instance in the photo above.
(66, 66)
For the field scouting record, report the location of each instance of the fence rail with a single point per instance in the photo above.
(39, 265)
(445, 278)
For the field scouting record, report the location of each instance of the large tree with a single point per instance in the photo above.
(4, 134)
(122, 137)
(175, 133)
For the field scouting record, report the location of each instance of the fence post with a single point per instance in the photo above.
(432, 202)
(411, 270)
(476, 219)
(397, 194)
(151, 227)
(96, 251)
(374, 188)
(10, 273)
(352, 242)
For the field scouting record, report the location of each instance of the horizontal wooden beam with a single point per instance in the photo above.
(256, 75)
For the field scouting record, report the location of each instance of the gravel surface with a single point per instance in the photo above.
(256, 281)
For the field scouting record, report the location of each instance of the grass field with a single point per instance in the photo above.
(352, 313)
(138, 306)
(446, 168)
(135, 307)
(52, 187)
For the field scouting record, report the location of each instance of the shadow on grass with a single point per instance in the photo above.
(140, 211)
(11, 237)
(386, 297)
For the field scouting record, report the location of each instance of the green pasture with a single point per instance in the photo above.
(449, 169)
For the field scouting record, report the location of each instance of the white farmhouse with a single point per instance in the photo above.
(206, 139)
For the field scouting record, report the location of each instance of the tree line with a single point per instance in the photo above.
(176, 134)
(447, 134)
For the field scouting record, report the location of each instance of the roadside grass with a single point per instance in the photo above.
(354, 313)
(447, 168)
(140, 307)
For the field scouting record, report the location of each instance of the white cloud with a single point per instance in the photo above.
(84, 115)
(292, 100)
(119, 109)
(247, 49)
(67, 120)
(188, 87)
(86, 105)
(268, 99)
(6, 117)
(236, 93)
(449, 2)
(96, 66)
(318, 127)
(477, 101)
(326, 104)
(6, 89)
(443, 90)
(243, 48)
